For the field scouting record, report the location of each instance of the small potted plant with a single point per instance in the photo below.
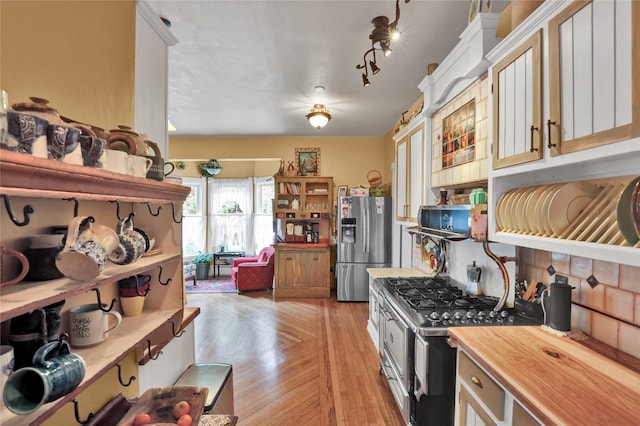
(202, 261)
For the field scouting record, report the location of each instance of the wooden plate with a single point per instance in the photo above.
(625, 212)
(159, 402)
(531, 206)
(568, 202)
(544, 210)
(506, 209)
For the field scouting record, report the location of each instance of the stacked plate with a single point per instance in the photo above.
(628, 211)
(543, 210)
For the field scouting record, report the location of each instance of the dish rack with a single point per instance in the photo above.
(606, 215)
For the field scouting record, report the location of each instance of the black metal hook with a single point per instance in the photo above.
(26, 210)
(100, 304)
(76, 205)
(151, 211)
(131, 379)
(160, 277)
(77, 414)
(131, 215)
(149, 349)
(173, 214)
(173, 330)
(117, 209)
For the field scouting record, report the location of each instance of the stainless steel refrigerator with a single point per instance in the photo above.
(364, 241)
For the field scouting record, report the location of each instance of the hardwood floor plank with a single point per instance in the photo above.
(295, 361)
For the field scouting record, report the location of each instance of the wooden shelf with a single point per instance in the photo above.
(25, 175)
(29, 295)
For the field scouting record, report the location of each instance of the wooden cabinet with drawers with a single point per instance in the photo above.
(302, 270)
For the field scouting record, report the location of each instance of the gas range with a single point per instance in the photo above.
(432, 304)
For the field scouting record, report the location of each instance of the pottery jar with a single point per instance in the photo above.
(157, 167)
(27, 134)
(123, 139)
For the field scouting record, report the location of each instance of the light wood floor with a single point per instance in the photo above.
(295, 361)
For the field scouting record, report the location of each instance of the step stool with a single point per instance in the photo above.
(218, 378)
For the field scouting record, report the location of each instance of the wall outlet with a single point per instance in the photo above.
(560, 279)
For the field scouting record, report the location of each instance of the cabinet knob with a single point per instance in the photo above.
(315, 259)
(289, 258)
(476, 381)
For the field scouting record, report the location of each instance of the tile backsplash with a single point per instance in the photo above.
(608, 311)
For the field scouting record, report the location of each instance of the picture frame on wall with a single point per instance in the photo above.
(478, 6)
(308, 161)
(343, 190)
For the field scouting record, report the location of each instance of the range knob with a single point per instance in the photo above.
(434, 316)
(457, 316)
(446, 315)
(493, 315)
(504, 315)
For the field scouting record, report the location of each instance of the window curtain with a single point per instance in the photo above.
(263, 234)
(230, 214)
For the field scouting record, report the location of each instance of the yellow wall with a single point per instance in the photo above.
(80, 55)
(346, 159)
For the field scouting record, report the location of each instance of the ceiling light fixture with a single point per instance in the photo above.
(319, 116)
(381, 37)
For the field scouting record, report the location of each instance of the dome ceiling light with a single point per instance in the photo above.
(381, 37)
(318, 116)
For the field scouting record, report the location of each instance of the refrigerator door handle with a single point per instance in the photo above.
(365, 214)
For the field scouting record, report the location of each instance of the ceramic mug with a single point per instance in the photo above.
(131, 244)
(89, 325)
(118, 161)
(55, 373)
(132, 294)
(4, 124)
(86, 249)
(63, 145)
(24, 266)
(6, 363)
(93, 151)
(27, 134)
(42, 252)
(139, 165)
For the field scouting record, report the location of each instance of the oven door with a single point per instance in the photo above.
(397, 355)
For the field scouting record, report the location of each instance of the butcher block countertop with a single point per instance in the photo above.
(558, 379)
(394, 272)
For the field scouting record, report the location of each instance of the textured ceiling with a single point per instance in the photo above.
(248, 68)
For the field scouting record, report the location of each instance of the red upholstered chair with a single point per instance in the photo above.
(254, 273)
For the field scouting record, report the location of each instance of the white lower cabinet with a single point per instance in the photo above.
(482, 400)
(372, 324)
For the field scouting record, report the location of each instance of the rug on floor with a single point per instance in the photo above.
(215, 285)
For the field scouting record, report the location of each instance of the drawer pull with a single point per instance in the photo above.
(476, 381)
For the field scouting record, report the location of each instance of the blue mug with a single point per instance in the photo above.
(55, 373)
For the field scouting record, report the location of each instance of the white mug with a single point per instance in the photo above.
(118, 161)
(6, 363)
(89, 325)
(4, 124)
(138, 165)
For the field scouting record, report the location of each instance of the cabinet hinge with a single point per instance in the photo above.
(492, 88)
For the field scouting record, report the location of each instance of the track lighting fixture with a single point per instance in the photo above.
(381, 36)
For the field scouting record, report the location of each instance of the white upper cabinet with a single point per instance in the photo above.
(566, 108)
(409, 170)
(517, 115)
(591, 57)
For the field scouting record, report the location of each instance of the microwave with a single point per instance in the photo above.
(451, 222)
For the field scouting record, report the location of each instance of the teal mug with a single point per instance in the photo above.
(55, 373)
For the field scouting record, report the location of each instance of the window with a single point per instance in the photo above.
(239, 215)
(263, 218)
(193, 222)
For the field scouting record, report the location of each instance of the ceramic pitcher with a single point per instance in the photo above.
(55, 373)
(85, 252)
(130, 246)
